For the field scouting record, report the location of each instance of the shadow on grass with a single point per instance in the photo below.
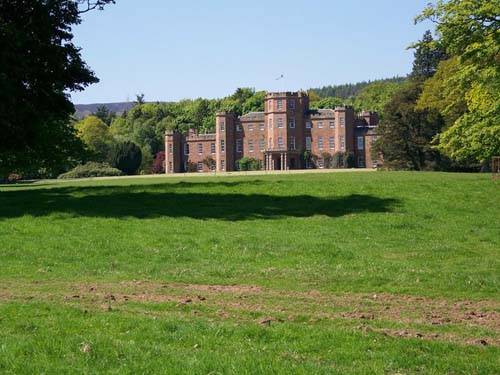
(167, 200)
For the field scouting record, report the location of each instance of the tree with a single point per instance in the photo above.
(428, 53)
(159, 163)
(439, 95)
(126, 156)
(329, 103)
(39, 65)
(470, 32)
(104, 114)
(405, 133)
(139, 99)
(242, 94)
(96, 136)
(375, 96)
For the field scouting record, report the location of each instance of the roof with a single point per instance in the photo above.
(253, 116)
(325, 113)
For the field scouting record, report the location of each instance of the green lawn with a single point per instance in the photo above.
(314, 273)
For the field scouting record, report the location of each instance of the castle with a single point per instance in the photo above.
(287, 135)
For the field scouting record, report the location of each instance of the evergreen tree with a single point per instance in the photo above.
(428, 53)
(126, 156)
(406, 132)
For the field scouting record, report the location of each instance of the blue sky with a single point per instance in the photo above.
(170, 50)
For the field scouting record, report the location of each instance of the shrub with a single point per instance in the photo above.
(326, 159)
(349, 160)
(248, 164)
(14, 178)
(159, 163)
(91, 169)
(191, 167)
(338, 160)
(146, 166)
(126, 156)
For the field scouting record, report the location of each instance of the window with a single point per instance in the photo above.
(320, 125)
(170, 166)
(332, 143)
(261, 144)
(239, 145)
(270, 105)
(186, 165)
(261, 126)
(320, 143)
(308, 143)
(280, 104)
(250, 127)
(222, 126)
(212, 165)
(222, 146)
(331, 124)
(199, 166)
(270, 145)
(170, 147)
(270, 123)
(200, 148)
(186, 149)
(250, 145)
(361, 143)
(280, 143)
(238, 127)
(341, 121)
(291, 123)
(308, 124)
(223, 165)
(291, 104)
(361, 162)
(212, 148)
(280, 122)
(374, 163)
(321, 163)
(342, 142)
(291, 143)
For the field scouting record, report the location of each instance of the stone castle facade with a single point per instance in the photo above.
(287, 135)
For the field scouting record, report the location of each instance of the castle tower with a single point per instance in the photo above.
(173, 152)
(344, 117)
(225, 123)
(284, 118)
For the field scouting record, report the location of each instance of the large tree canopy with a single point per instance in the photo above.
(39, 66)
(469, 30)
(406, 132)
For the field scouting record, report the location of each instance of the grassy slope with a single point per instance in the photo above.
(432, 235)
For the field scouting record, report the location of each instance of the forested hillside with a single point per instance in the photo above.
(348, 90)
(82, 110)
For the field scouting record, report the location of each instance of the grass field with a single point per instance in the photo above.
(315, 273)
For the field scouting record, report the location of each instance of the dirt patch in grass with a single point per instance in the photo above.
(237, 302)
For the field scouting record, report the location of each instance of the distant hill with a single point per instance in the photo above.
(350, 89)
(83, 110)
